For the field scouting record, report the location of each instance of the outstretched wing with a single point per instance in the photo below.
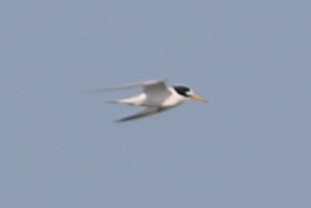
(156, 92)
(146, 112)
(145, 85)
(153, 88)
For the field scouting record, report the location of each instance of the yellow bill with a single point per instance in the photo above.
(198, 98)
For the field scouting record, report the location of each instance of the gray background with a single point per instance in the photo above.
(249, 147)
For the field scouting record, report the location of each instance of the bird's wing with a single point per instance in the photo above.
(144, 85)
(155, 87)
(156, 92)
(146, 112)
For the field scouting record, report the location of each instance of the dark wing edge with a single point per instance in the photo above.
(146, 112)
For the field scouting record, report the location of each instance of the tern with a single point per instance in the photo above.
(157, 96)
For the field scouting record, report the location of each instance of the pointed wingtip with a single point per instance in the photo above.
(121, 120)
(113, 102)
(117, 121)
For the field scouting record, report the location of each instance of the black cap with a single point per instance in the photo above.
(182, 90)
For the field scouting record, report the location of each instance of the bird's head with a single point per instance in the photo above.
(188, 93)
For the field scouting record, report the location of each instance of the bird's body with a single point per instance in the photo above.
(156, 97)
(146, 100)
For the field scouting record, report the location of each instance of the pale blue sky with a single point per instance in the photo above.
(250, 147)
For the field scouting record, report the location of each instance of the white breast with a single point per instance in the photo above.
(174, 100)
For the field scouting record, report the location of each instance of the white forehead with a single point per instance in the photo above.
(190, 92)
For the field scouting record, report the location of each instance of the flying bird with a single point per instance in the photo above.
(157, 96)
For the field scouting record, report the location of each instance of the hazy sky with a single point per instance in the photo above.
(249, 147)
